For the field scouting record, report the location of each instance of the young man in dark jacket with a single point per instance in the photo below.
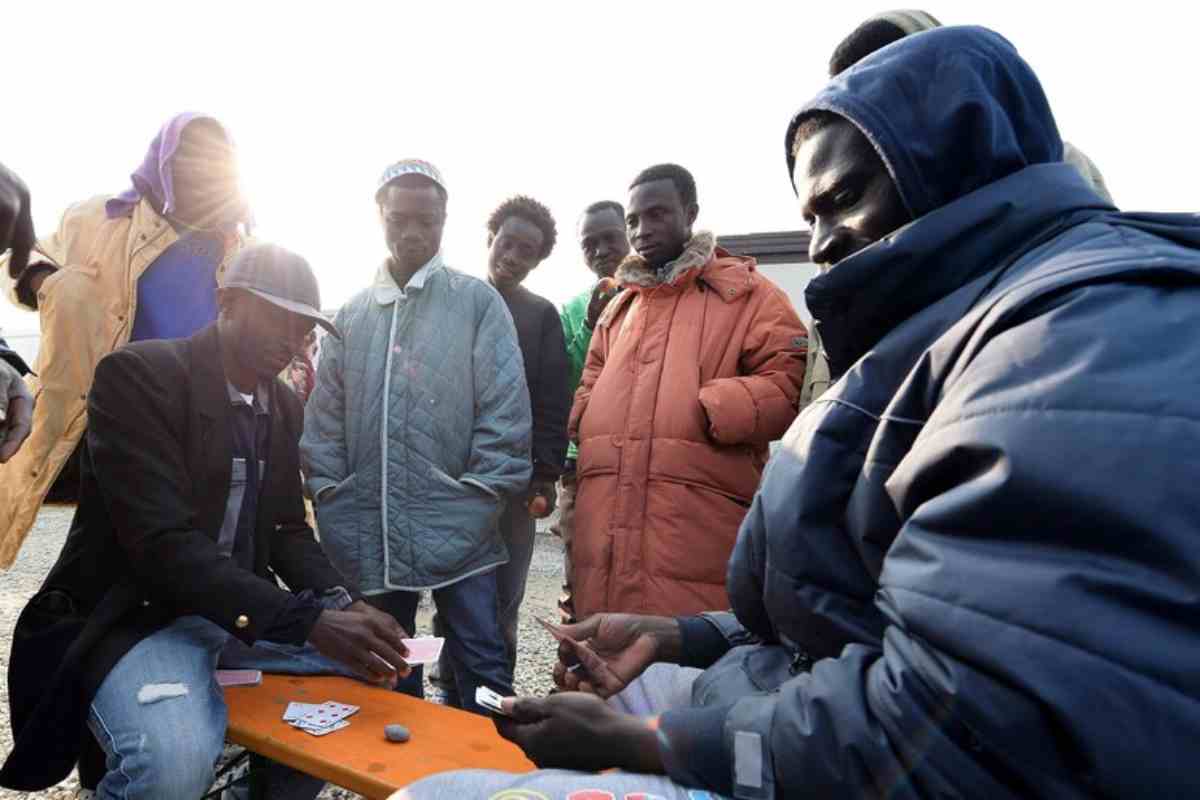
(190, 506)
(950, 583)
(521, 234)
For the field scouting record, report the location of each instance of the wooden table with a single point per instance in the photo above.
(358, 757)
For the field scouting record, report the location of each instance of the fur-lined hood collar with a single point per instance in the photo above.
(701, 261)
(634, 270)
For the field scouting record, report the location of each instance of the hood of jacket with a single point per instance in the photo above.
(729, 275)
(635, 271)
(966, 133)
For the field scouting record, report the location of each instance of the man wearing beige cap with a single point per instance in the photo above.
(190, 506)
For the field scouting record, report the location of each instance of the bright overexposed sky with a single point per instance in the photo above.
(563, 101)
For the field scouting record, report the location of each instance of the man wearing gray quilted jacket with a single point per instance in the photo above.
(418, 431)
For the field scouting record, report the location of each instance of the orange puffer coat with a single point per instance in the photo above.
(687, 380)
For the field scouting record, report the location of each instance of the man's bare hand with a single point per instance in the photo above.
(605, 652)
(16, 411)
(367, 640)
(16, 221)
(602, 294)
(541, 499)
(578, 731)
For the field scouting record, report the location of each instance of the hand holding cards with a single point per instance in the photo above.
(365, 639)
(568, 648)
(490, 700)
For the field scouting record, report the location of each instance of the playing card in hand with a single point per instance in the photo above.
(425, 650)
(489, 700)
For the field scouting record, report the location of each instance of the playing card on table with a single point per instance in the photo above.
(325, 715)
(239, 677)
(337, 726)
(425, 650)
(297, 710)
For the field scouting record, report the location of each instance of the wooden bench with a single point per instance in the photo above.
(358, 757)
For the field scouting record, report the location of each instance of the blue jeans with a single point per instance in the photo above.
(474, 651)
(519, 531)
(160, 716)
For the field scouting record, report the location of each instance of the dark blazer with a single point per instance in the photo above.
(547, 372)
(142, 547)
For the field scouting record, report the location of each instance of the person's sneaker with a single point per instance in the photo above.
(436, 694)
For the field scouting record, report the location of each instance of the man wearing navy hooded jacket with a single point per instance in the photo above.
(972, 569)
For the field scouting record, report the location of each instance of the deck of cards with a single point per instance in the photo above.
(319, 719)
(239, 677)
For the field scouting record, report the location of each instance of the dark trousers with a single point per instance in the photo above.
(518, 530)
(475, 652)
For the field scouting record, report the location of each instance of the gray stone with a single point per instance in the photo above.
(396, 733)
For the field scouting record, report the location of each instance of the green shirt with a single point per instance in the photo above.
(579, 336)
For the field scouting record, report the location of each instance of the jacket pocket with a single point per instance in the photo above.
(694, 529)
(458, 527)
(340, 487)
(46, 629)
(445, 478)
(338, 527)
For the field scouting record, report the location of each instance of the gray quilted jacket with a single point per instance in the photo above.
(417, 431)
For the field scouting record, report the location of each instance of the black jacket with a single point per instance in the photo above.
(540, 335)
(142, 547)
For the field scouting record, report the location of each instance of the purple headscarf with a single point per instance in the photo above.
(153, 177)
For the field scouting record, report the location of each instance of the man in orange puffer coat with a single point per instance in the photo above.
(692, 371)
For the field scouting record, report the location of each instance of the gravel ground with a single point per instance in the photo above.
(534, 662)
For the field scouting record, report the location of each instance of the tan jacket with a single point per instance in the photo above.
(687, 381)
(816, 371)
(86, 308)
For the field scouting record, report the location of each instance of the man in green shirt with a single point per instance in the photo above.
(604, 243)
